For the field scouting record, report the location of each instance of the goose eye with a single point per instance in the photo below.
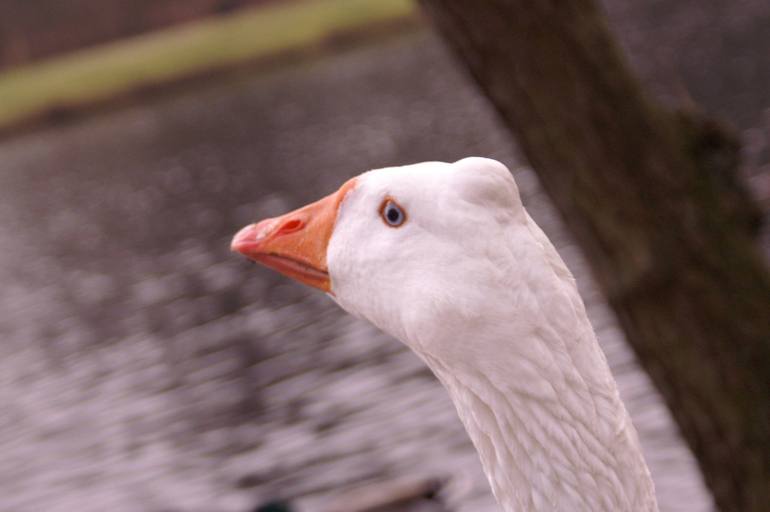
(392, 213)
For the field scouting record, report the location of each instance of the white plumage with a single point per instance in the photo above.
(473, 286)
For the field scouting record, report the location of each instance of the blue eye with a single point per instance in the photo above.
(392, 213)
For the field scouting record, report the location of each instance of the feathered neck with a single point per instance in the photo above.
(535, 393)
(543, 452)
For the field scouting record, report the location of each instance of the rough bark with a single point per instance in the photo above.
(653, 200)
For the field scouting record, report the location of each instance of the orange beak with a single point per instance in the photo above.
(295, 244)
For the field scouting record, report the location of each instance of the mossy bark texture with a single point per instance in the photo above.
(652, 198)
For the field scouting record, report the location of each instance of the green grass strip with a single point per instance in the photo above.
(97, 74)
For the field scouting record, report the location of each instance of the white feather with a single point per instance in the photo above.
(477, 290)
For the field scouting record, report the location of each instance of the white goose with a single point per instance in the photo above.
(445, 258)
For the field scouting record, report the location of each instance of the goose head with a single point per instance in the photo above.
(414, 249)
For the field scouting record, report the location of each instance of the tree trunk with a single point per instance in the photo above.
(653, 200)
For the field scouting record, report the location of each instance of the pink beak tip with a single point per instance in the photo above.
(243, 239)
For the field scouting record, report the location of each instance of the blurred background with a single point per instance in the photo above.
(145, 368)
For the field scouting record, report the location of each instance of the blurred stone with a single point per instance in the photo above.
(404, 495)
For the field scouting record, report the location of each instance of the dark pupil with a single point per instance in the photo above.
(393, 214)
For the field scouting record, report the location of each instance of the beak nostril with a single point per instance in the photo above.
(290, 226)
